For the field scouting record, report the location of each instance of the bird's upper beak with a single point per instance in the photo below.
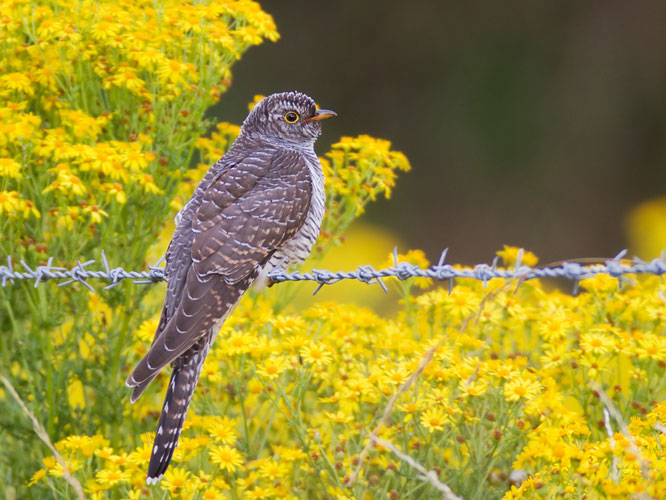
(320, 114)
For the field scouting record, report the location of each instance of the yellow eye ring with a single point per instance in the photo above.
(291, 117)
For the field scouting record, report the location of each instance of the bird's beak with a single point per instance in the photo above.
(320, 114)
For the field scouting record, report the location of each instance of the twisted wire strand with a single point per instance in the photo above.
(618, 267)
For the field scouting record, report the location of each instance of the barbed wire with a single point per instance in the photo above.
(618, 267)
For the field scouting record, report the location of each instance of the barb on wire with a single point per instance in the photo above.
(79, 273)
(618, 267)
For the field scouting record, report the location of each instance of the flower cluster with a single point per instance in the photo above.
(357, 170)
(98, 107)
(507, 404)
(101, 104)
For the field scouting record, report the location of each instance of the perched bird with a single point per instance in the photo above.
(258, 207)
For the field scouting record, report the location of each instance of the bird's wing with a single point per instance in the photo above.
(235, 170)
(231, 242)
(246, 214)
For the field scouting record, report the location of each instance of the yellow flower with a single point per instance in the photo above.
(505, 368)
(37, 476)
(119, 460)
(147, 182)
(555, 355)
(357, 170)
(50, 463)
(595, 343)
(10, 168)
(221, 429)
(82, 125)
(339, 418)
(175, 478)
(396, 375)
(600, 283)
(213, 493)
(554, 326)
(462, 302)
(115, 170)
(255, 101)
(27, 208)
(9, 202)
(316, 354)
(410, 408)
(18, 82)
(68, 219)
(257, 493)
(127, 77)
(85, 444)
(510, 256)
(141, 456)
(239, 343)
(101, 158)
(521, 387)
(66, 182)
(146, 330)
(134, 159)
(437, 396)
(115, 191)
(272, 469)
(434, 419)
(104, 30)
(134, 494)
(112, 476)
(289, 454)
(288, 324)
(226, 457)
(652, 347)
(171, 70)
(95, 213)
(597, 365)
(104, 453)
(475, 387)
(272, 367)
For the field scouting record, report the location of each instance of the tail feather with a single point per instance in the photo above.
(184, 379)
(138, 389)
(203, 305)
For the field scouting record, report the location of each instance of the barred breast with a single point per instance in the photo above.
(297, 249)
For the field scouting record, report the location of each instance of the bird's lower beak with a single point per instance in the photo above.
(320, 114)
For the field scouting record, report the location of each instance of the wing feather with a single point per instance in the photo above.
(246, 212)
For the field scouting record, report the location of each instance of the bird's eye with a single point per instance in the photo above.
(291, 117)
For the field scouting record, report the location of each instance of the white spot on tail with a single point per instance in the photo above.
(154, 480)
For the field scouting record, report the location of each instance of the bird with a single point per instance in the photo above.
(257, 208)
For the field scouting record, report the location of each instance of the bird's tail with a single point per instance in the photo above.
(186, 370)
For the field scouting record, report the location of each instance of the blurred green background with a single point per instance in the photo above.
(538, 124)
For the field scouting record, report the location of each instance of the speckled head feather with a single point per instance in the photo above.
(270, 120)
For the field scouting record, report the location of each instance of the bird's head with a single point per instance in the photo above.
(286, 117)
